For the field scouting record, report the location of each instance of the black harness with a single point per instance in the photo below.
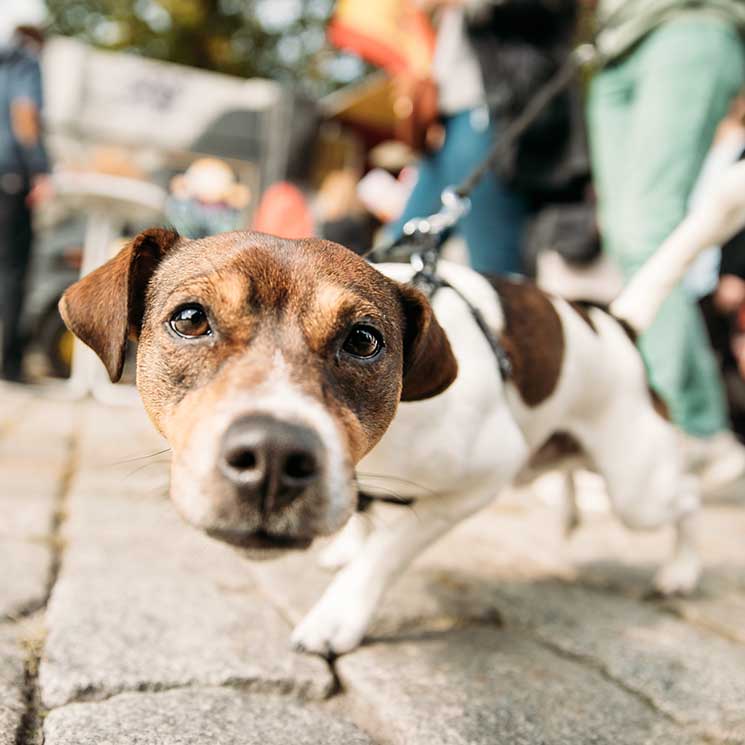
(429, 282)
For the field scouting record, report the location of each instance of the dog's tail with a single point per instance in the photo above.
(719, 216)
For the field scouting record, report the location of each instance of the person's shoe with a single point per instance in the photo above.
(719, 463)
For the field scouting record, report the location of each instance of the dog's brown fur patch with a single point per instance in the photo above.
(583, 311)
(533, 338)
(659, 404)
(559, 446)
(107, 306)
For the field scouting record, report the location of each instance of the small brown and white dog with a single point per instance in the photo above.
(275, 368)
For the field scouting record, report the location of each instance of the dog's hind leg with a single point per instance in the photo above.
(571, 512)
(637, 452)
(680, 574)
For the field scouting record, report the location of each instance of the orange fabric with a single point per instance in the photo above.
(284, 211)
(392, 34)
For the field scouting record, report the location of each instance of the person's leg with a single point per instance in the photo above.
(15, 250)
(425, 197)
(494, 227)
(6, 279)
(609, 109)
(685, 75)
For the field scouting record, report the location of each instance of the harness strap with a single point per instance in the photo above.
(428, 282)
(365, 500)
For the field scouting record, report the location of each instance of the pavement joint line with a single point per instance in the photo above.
(700, 623)
(669, 607)
(278, 687)
(588, 661)
(284, 612)
(645, 699)
(30, 728)
(59, 515)
(23, 612)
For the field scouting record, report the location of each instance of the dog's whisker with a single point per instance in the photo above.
(139, 457)
(146, 465)
(385, 477)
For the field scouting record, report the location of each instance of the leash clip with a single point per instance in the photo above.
(433, 227)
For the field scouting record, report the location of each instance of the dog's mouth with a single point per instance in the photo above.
(259, 540)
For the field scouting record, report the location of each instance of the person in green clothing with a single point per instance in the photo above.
(670, 70)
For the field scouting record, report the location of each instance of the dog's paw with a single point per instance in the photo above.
(679, 577)
(332, 627)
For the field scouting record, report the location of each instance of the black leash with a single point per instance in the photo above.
(455, 200)
(581, 56)
(423, 237)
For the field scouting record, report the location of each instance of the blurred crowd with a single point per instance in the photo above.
(582, 198)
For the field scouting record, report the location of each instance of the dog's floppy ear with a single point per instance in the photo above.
(429, 363)
(106, 306)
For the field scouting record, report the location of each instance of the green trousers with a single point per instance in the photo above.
(652, 116)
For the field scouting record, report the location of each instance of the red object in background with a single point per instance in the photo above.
(391, 34)
(284, 211)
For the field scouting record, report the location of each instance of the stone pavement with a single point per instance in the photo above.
(120, 624)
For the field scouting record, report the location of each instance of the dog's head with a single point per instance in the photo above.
(271, 367)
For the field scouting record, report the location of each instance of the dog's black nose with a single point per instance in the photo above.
(270, 461)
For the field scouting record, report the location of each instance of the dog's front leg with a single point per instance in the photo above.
(348, 543)
(339, 620)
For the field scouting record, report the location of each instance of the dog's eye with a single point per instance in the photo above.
(190, 321)
(363, 341)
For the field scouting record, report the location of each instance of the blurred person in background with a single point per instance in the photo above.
(340, 214)
(285, 210)
(206, 199)
(489, 60)
(724, 311)
(727, 147)
(671, 69)
(24, 183)
(717, 278)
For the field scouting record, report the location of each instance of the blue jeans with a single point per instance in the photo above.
(493, 228)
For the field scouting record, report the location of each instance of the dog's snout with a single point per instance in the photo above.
(269, 460)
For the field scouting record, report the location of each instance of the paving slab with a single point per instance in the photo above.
(486, 573)
(40, 432)
(607, 557)
(12, 682)
(144, 602)
(484, 687)
(695, 677)
(28, 498)
(24, 576)
(117, 437)
(502, 632)
(217, 716)
(34, 455)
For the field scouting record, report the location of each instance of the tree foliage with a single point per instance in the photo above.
(279, 39)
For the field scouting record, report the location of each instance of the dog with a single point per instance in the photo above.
(276, 368)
